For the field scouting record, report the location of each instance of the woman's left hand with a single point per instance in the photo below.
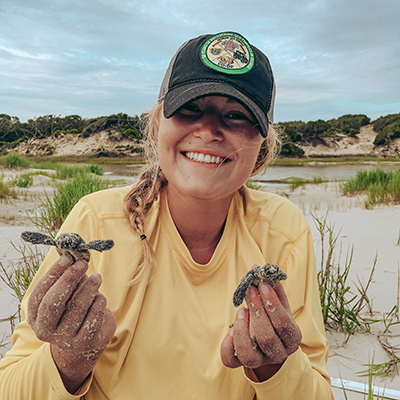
(264, 335)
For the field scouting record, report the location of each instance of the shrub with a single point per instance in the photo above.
(382, 122)
(133, 133)
(291, 150)
(293, 129)
(350, 123)
(388, 134)
(95, 169)
(14, 161)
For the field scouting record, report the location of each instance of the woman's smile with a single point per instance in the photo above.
(205, 158)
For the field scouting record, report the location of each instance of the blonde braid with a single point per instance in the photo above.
(143, 194)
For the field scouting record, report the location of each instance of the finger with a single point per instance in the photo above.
(90, 336)
(77, 307)
(280, 316)
(44, 284)
(53, 304)
(227, 351)
(280, 292)
(246, 348)
(101, 320)
(262, 327)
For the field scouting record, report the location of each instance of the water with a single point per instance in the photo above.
(326, 171)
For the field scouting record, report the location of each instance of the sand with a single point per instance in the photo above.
(371, 233)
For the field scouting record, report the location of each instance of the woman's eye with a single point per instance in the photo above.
(190, 109)
(235, 115)
(238, 116)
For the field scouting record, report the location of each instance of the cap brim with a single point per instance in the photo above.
(179, 96)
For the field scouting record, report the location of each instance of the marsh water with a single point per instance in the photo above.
(276, 173)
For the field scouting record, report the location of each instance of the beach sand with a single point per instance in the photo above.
(371, 233)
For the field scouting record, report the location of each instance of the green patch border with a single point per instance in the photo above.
(208, 63)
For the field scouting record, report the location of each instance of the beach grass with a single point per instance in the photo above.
(380, 187)
(294, 183)
(370, 387)
(22, 181)
(6, 191)
(342, 308)
(17, 275)
(253, 184)
(13, 161)
(51, 213)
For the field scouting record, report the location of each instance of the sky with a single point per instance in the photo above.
(94, 58)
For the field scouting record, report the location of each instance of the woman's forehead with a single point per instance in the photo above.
(217, 97)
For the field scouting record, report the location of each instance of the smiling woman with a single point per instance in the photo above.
(160, 324)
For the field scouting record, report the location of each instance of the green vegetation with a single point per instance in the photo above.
(52, 165)
(341, 307)
(50, 215)
(13, 131)
(6, 191)
(252, 184)
(22, 181)
(296, 182)
(369, 395)
(380, 187)
(18, 275)
(13, 161)
(66, 172)
(298, 131)
(388, 129)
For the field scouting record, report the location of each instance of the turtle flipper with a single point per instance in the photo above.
(37, 238)
(98, 245)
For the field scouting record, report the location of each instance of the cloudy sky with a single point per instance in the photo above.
(92, 58)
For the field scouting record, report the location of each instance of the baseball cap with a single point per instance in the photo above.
(225, 64)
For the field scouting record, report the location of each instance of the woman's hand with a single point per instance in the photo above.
(66, 310)
(264, 335)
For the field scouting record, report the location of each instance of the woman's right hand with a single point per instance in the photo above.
(66, 310)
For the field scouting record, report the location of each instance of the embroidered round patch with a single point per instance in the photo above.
(228, 52)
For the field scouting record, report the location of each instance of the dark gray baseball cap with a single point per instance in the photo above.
(225, 64)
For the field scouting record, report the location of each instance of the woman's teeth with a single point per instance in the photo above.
(204, 158)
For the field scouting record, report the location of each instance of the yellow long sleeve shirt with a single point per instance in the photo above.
(169, 332)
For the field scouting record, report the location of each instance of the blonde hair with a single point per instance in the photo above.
(151, 181)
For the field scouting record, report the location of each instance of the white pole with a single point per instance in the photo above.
(362, 388)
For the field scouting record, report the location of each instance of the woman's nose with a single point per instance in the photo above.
(209, 128)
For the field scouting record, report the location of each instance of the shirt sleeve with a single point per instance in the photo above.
(304, 375)
(28, 370)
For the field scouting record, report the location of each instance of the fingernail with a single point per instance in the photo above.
(231, 333)
(265, 288)
(64, 261)
(241, 313)
(252, 292)
(79, 266)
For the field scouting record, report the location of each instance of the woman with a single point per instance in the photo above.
(159, 326)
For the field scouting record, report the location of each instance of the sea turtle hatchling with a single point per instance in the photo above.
(268, 273)
(69, 244)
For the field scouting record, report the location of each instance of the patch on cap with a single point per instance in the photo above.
(229, 53)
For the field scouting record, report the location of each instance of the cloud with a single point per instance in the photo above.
(330, 57)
